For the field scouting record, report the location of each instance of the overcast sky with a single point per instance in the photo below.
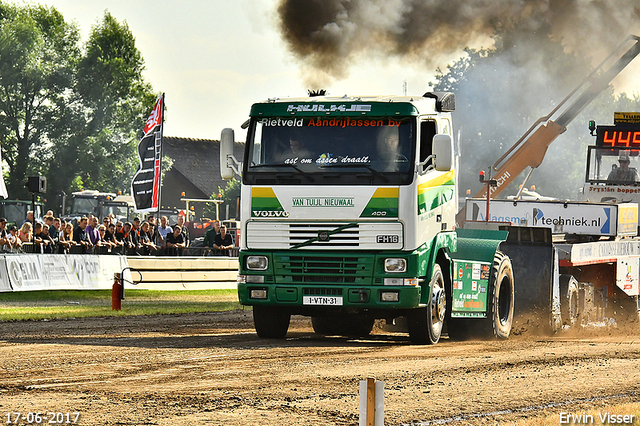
(214, 58)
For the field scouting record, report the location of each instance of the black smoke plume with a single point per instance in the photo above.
(327, 35)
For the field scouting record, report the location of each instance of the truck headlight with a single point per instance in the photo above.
(395, 265)
(257, 263)
(258, 293)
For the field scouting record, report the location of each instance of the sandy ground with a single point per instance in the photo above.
(211, 368)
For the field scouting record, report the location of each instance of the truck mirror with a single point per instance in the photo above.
(227, 140)
(443, 152)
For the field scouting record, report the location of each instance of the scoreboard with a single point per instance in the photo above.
(625, 133)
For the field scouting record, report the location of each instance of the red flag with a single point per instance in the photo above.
(155, 119)
(145, 186)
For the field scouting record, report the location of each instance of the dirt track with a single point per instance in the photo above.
(212, 369)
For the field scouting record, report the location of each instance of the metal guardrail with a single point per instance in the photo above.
(187, 272)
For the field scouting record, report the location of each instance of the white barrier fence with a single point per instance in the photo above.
(27, 272)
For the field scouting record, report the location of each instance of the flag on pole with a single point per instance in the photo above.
(146, 184)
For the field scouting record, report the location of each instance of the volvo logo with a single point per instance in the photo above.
(269, 213)
(323, 235)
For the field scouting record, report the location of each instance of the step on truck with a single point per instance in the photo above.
(348, 211)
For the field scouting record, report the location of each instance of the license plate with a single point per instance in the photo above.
(322, 300)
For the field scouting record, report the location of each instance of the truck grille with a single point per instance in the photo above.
(320, 291)
(317, 269)
(324, 235)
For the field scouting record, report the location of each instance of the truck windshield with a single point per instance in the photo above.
(330, 150)
(613, 166)
(84, 206)
(119, 211)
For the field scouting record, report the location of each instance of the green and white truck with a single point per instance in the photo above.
(348, 211)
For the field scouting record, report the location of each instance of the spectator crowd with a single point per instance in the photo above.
(89, 235)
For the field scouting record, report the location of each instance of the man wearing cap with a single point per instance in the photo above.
(5, 243)
(624, 173)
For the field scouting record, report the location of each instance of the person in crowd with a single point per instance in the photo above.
(54, 230)
(92, 229)
(119, 236)
(41, 240)
(136, 225)
(106, 221)
(175, 242)
(110, 234)
(210, 235)
(223, 242)
(5, 242)
(66, 237)
(29, 218)
(146, 239)
(185, 230)
(48, 220)
(135, 235)
(49, 244)
(102, 244)
(26, 233)
(80, 236)
(153, 228)
(14, 240)
(130, 240)
(164, 229)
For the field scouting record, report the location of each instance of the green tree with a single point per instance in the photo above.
(71, 113)
(110, 104)
(38, 54)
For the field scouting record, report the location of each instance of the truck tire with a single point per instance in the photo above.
(345, 325)
(425, 324)
(271, 322)
(502, 296)
(569, 296)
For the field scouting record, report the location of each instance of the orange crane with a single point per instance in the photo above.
(530, 149)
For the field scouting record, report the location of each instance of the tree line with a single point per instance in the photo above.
(70, 111)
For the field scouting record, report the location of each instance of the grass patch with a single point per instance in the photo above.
(39, 305)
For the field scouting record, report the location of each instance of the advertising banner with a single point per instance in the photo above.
(5, 285)
(562, 217)
(29, 272)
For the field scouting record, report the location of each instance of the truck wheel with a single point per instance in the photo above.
(348, 325)
(502, 296)
(271, 322)
(569, 300)
(425, 324)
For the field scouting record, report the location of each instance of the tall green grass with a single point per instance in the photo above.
(39, 305)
